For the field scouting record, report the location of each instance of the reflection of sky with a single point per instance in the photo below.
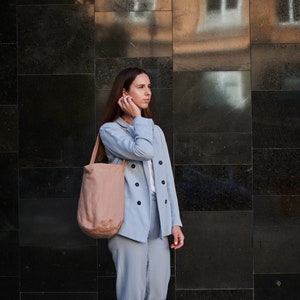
(139, 15)
(231, 86)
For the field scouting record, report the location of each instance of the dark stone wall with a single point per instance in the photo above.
(226, 91)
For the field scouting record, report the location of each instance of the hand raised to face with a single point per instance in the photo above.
(129, 107)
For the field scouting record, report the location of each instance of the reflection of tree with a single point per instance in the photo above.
(84, 1)
(113, 40)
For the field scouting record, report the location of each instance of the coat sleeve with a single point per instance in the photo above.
(176, 220)
(138, 145)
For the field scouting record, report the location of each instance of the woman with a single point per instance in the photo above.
(140, 250)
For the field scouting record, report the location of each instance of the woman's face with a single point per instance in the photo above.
(140, 91)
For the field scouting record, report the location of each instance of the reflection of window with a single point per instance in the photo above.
(231, 4)
(221, 4)
(289, 11)
(140, 10)
(222, 13)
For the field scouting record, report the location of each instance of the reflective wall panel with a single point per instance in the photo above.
(210, 35)
(225, 90)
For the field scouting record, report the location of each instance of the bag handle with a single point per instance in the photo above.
(95, 150)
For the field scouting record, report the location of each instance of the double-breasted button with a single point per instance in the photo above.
(133, 166)
(160, 162)
(139, 203)
(137, 184)
(163, 182)
(166, 201)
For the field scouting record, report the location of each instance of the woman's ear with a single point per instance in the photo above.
(124, 92)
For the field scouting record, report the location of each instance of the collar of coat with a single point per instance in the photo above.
(121, 122)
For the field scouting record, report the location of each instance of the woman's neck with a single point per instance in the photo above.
(128, 119)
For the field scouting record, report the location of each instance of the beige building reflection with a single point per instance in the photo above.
(216, 32)
(211, 33)
(275, 21)
(137, 28)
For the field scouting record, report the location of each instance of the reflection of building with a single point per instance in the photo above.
(276, 21)
(275, 34)
(211, 30)
(145, 26)
(227, 12)
(291, 12)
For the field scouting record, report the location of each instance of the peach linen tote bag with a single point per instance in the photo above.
(101, 202)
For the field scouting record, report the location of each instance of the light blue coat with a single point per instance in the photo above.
(137, 144)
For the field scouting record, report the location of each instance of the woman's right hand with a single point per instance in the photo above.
(129, 107)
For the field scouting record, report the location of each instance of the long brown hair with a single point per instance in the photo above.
(112, 110)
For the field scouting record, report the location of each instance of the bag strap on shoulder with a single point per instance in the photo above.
(95, 150)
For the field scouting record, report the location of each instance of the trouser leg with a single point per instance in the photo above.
(143, 269)
(130, 258)
(158, 271)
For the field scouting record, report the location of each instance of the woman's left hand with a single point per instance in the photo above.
(178, 237)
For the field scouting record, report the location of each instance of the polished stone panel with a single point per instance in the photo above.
(275, 21)
(51, 223)
(277, 224)
(9, 254)
(43, 2)
(276, 171)
(107, 287)
(217, 252)
(8, 21)
(131, 5)
(276, 119)
(212, 102)
(9, 287)
(276, 210)
(56, 124)
(162, 107)
(101, 97)
(159, 69)
(277, 286)
(240, 294)
(8, 74)
(213, 148)
(9, 128)
(50, 182)
(130, 34)
(8, 191)
(276, 249)
(55, 254)
(210, 36)
(171, 290)
(275, 67)
(106, 266)
(55, 39)
(58, 59)
(214, 187)
(64, 269)
(60, 296)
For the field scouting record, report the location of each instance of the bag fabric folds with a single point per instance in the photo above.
(101, 202)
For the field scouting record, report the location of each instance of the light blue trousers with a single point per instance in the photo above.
(143, 269)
